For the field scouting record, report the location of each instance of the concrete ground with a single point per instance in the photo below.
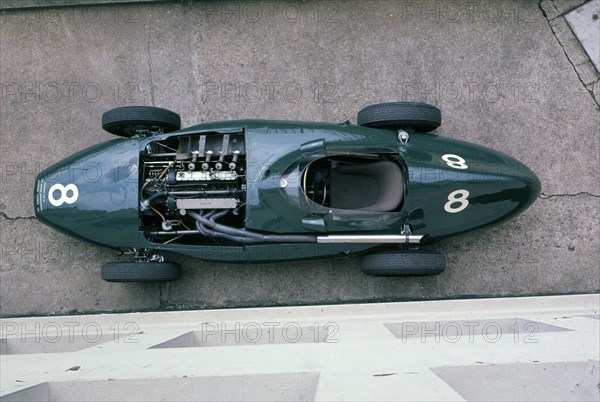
(522, 349)
(506, 75)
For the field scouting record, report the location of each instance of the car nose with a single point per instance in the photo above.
(92, 195)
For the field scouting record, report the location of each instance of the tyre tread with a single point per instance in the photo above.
(403, 263)
(114, 119)
(396, 115)
(140, 271)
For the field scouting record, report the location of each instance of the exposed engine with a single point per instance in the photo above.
(205, 174)
(193, 191)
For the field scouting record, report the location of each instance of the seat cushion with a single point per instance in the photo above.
(377, 186)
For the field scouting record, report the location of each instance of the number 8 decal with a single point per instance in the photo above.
(64, 194)
(455, 161)
(457, 197)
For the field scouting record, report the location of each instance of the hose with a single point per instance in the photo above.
(145, 204)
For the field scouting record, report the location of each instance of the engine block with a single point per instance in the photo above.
(200, 173)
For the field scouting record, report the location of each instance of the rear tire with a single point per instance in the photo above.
(403, 263)
(140, 271)
(128, 120)
(401, 115)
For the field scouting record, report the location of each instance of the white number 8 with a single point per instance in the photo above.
(64, 191)
(455, 161)
(457, 197)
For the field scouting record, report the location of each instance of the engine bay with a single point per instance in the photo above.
(186, 175)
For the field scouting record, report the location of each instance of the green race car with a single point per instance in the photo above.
(261, 191)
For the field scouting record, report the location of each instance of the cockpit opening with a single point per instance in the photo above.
(354, 183)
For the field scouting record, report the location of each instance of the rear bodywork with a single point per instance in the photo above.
(450, 187)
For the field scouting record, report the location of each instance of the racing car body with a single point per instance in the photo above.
(259, 191)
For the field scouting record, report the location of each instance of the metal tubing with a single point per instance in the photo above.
(364, 239)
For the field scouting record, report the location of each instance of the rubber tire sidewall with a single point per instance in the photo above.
(401, 115)
(403, 263)
(140, 271)
(117, 121)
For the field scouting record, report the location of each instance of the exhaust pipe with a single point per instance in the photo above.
(365, 239)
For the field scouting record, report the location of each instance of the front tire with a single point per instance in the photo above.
(140, 271)
(401, 115)
(403, 263)
(128, 121)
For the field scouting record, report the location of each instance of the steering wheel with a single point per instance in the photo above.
(315, 184)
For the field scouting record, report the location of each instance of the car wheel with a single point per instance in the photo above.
(403, 263)
(131, 120)
(401, 115)
(140, 271)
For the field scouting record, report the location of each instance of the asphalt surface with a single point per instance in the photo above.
(496, 69)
